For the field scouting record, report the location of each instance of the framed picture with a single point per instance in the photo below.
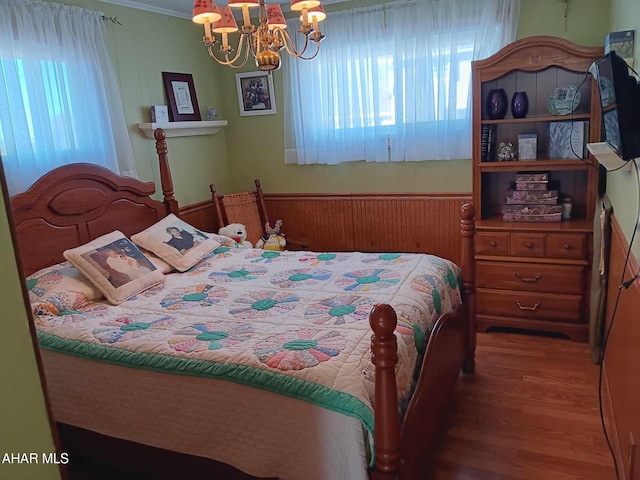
(255, 93)
(181, 95)
(528, 146)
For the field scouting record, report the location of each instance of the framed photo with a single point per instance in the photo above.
(566, 139)
(255, 93)
(527, 146)
(181, 95)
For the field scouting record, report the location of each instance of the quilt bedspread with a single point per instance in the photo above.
(295, 323)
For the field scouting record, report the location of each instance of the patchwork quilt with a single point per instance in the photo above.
(295, 323)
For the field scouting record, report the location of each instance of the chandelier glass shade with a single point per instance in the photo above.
(264, 41)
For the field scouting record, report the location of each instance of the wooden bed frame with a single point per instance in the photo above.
(77, 203)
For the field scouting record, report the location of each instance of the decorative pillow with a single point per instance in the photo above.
(116, 266)
(64, 283)
(176, 242)
(159, 263)
(60, 304)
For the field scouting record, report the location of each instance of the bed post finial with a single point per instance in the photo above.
(165, 172)
(467, 232)
(384, 356)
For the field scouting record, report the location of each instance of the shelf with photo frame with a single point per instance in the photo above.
(184, 129)
(523, 241)
(562, 116)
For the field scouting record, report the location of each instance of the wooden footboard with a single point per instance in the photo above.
(404, 452)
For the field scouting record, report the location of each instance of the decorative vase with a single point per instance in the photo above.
(519, 105)
(497, 103)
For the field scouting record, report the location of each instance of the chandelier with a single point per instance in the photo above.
(265, 40)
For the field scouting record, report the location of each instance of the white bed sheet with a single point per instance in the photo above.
(256, 431)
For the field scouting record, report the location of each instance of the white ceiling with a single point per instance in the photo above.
(175, 8)
(181, 8)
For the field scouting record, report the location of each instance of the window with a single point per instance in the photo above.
(393, 82)
(59, 101)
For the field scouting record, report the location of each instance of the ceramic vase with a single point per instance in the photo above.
(497, 103)
(519, 105)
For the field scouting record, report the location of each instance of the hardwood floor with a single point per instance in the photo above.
(529, 412)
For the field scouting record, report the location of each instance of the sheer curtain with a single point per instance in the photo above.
(392, 82)
(59, 98)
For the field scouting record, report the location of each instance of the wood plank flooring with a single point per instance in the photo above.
(529, 412)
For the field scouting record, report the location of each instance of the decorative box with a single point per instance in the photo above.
(536, 197)
(532, 177)
(531, 186)
(532, 213)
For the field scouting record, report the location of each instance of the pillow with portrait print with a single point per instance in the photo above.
(176, 242)
(159, 263)
(61, 281)
(115, 266)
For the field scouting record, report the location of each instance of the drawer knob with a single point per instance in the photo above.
(527, 308)
(567, 246)
(529, 280)
(492, 243)
(528, 245)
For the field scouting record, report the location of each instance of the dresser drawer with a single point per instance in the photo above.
(492, 243)
(529, 277)
(566, 245)
(537, 306)
(527, 244)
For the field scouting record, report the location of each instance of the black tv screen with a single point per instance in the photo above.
(620, 101)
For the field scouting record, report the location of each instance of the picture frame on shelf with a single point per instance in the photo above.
(527, 146)
(255, 94)
(566, 139)
(181, 96)
(159, 114)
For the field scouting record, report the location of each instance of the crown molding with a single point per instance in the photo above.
(149, 8)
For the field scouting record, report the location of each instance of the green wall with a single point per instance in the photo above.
(144, 46)
(622, 186)
(261, 155)
(24, 425)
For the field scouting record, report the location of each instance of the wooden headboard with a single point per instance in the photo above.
(76, 203)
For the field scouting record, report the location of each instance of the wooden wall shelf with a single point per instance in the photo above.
(184, 129)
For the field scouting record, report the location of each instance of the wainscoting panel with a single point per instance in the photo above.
(423, 223)
(325, 222)
(622, 357)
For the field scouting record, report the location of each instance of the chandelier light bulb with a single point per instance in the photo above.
(266, 39)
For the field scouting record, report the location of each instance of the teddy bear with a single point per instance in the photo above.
(273, 239)
(238, 233)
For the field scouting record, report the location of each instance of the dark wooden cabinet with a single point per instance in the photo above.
(535, 275)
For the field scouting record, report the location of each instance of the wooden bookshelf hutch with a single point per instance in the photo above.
(535, 275)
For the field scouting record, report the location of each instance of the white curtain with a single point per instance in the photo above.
(59, 98)
(392, 82)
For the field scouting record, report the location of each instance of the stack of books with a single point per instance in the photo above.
(532, 201)
(488, 142)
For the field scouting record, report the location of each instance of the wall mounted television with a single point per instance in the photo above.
(620, 101)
